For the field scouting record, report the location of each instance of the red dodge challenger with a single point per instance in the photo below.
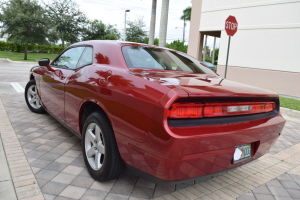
(153, 109)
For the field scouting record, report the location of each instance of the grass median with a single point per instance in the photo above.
(290, 103)
(31, 57)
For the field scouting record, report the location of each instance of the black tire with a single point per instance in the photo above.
(31, 94)
(110, 165)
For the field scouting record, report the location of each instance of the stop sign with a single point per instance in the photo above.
(231, 25)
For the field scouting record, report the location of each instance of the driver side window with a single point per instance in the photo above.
(69, 59)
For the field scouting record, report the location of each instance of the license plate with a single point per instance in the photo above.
(242, 152)
(238, 108)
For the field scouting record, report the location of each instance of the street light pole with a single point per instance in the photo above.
(125, 25)
(183, 30)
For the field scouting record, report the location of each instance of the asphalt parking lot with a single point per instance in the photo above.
(44, 161)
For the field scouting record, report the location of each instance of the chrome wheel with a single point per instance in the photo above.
(94, 146)
(33, 98)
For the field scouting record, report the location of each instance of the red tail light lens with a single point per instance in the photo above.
(186, 110)
(198, 110)
(228, 109)
(270, 106)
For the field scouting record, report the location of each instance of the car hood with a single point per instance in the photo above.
(201, 84)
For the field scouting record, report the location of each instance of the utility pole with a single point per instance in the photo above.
(125, 25)
(152, 23)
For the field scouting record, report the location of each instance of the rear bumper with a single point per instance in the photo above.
(174, 156)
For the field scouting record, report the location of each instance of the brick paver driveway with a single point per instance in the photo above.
(45, 161)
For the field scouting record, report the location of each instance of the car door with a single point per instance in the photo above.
(54, 79)
(75, 89)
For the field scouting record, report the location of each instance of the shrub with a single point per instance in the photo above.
(177, 45)
(208, 60)
(7, 46)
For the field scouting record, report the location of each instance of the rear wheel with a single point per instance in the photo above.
(32, 98)
(100, 151)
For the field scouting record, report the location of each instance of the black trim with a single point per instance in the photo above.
(156, 180)
(227, 119)
(229, 99)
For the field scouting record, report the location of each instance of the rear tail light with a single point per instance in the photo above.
(199, 110)
(187, 110)
(270, 106)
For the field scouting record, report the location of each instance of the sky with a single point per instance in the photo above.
(113, 12)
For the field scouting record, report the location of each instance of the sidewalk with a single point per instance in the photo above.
(45, 162)
(7, 190)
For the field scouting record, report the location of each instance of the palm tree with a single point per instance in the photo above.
(152, 23)
(186, 16)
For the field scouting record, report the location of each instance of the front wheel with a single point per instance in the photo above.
(100, 151)
(32, 98)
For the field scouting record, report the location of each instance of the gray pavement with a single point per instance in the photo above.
(7, 190)
(40, 159)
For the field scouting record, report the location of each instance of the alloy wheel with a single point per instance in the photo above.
(94, 146)
(33, 97)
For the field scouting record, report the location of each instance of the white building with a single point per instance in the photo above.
(265, 51)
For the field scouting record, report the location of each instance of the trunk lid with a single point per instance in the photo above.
(202, 85)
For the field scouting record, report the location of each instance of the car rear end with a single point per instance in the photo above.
(211, 125)
(203, 135)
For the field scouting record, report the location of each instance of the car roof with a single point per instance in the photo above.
(118, 43)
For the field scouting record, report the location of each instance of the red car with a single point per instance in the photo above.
(153, 109)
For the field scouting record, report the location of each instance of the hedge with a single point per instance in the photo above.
(7, 46)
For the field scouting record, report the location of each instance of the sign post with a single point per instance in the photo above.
(231, 26)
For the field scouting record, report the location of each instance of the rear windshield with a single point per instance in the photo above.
(152, 58)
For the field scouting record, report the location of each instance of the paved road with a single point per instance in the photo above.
(14, 76)
(40, 159)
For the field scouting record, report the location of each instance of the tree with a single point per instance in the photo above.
(207, 55)
(186, 16)
(97, 30)
(24, 21)
(152, 23)
(146, 41)
(67, 20)
(136, 32)
(177, 45)
(53, 35)
(216, 56)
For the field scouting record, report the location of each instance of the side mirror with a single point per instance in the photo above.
(44, 62)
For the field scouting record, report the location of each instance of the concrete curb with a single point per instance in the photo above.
(295, 114)
(22, 183)
(11, 61)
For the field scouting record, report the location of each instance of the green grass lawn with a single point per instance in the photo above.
(290, 103)
(31, 57)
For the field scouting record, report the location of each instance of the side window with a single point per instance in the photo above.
(69, 59)
(86, 58)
